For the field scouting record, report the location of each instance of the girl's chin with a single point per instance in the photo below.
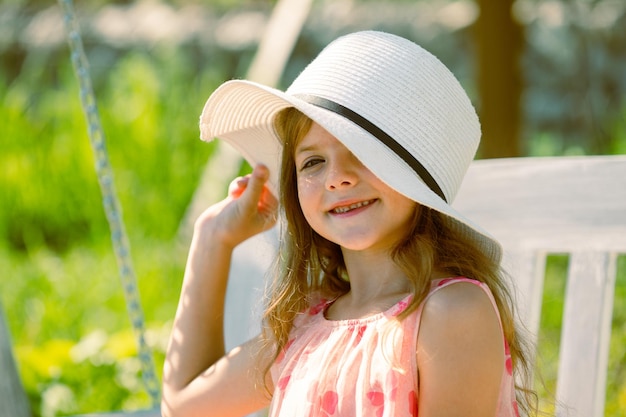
(364, 246)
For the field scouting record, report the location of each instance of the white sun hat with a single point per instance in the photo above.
(393, 104)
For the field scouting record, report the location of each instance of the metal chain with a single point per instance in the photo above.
(111, 204)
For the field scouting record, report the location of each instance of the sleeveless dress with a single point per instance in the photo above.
(363, 367)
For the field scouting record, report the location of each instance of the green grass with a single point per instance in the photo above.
(60, 287)
(72, 337)
(149, 111)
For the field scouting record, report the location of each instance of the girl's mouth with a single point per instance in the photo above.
(345, 209)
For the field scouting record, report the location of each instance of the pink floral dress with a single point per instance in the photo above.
(360, 368)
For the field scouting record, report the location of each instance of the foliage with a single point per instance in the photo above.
(73, 341)
(148, 111)
(60, 286)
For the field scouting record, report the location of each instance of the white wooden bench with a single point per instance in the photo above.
(535, 207)
(566, 205)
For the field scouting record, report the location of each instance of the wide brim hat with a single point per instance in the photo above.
(393, 104)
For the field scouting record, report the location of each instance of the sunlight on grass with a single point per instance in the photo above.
(72, 336)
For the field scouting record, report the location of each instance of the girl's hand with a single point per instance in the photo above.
(250, 208)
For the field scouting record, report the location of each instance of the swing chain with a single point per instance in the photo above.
(111, 204)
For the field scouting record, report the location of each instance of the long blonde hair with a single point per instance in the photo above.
(310, 264)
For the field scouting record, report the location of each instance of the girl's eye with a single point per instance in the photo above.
(311, 162)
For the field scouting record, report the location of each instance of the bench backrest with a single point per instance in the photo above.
(572, 205)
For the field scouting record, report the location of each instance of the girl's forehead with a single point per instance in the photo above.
(317, 137)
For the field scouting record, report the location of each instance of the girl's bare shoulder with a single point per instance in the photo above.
(460, 350)
(460, 310)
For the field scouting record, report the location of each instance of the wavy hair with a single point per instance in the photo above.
(310, 264)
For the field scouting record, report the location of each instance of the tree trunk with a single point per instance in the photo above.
(499, 41)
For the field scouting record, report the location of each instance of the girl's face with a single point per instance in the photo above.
(343, 201)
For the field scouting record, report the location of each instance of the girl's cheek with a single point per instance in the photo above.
(305, 191)
(306, 186)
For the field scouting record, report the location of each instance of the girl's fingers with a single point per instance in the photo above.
(259, 198)
(238, 185)
(254, 185)
(253, 193)
(258, 177)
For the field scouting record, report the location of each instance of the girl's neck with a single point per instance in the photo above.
(374, 275)
(376, 280)
(376, 284)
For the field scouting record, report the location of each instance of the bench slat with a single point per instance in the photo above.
(586, 334)
(527, 268)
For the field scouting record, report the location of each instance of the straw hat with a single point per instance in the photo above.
(394, 105)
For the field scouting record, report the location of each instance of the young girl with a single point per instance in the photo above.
(385, 301)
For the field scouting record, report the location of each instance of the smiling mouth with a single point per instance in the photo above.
(345, 209)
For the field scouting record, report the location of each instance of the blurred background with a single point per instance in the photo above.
(548, 77)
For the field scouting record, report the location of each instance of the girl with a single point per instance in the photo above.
(386, 301)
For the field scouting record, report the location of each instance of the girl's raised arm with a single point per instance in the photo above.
(199, 377)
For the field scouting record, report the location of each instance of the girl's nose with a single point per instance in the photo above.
(342, 172)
